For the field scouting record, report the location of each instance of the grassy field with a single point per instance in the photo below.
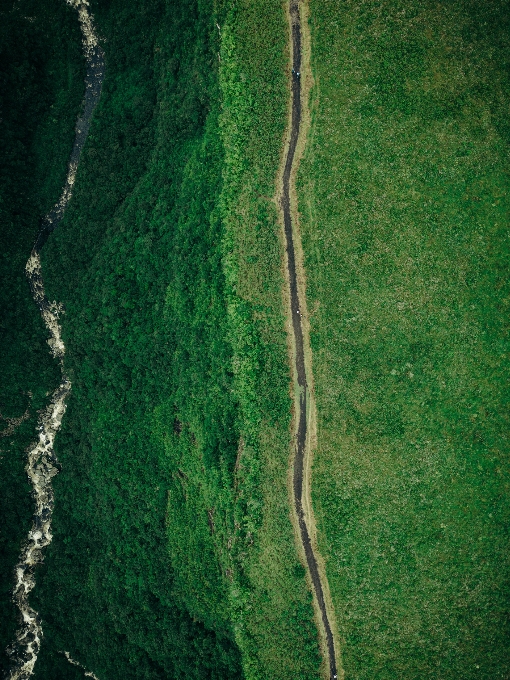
(404, 200)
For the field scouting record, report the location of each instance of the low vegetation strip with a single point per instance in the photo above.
(273, 612)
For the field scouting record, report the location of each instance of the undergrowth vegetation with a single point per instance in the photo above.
(404, 197)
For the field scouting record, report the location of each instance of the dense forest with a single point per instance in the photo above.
(41, 72)
(175, 345)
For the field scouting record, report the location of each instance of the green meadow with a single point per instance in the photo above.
(404, 201)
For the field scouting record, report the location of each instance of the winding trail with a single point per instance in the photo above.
(301, 490)
(42, 464)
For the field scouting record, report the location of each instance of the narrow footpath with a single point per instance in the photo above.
(302, 450)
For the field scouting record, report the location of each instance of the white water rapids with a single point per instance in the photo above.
(42, 464)
(88, 674)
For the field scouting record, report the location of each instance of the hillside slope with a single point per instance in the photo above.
(173, 552)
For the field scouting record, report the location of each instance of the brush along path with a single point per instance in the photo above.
(300, 480)
(42, 464)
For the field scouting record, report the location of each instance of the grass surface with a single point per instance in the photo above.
(404, 203)
(271, 604)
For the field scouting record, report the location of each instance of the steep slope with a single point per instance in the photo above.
(159, 562)
(41, 72)
(132, 585)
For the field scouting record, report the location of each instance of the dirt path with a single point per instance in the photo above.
(303, 401)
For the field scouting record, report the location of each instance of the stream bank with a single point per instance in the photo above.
(42, 464)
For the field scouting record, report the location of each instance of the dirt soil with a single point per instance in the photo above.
(303, 405)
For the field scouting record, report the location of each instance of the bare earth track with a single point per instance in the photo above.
(299, 488)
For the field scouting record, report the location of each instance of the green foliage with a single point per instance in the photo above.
(41, 84)
(173, 552)
(404, 192)
(132, 586)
